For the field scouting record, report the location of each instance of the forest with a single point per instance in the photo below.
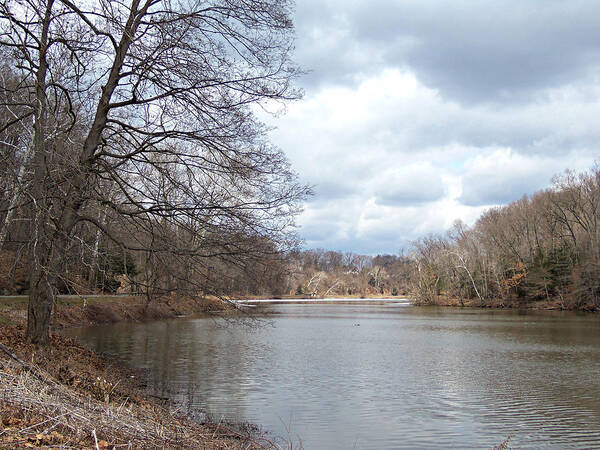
(132, 161)
(541, 248)
(129, 146)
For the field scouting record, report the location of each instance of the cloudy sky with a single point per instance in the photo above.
(420, 112)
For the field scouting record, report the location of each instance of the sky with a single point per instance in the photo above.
(417, 113)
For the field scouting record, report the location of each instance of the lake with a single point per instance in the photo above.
(379, 376)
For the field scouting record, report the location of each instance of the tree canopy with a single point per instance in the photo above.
(132, 122)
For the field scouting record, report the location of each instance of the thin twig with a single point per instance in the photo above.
(95, 439)
(41, 423)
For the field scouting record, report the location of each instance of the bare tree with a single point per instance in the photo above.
(16, 147)
(152, 100)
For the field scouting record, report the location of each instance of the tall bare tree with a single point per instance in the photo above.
(151, 100)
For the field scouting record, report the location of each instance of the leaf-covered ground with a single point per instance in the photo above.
(65, 396)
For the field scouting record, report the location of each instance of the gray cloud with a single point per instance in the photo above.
(503, 176)
(418, 113)
(470, 51)
(498, 190)
(415, 186)
(400, 196)
(335, 189)
(319, 232)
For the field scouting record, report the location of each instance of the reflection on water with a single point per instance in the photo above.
(341, 376)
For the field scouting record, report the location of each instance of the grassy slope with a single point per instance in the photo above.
(94, 309)
(65, 395)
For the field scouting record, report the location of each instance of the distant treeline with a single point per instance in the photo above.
(309, 273)
(321, 273)
(540, 248)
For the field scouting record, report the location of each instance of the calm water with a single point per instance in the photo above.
(368, 377)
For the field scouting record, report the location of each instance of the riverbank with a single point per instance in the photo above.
(552, 304)
(99, 309)
(73, 311)
(64, 395)
(533, 305)
(317, 297)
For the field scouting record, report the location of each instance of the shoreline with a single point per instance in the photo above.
(539, 305)
(87, 310)
(66, 395)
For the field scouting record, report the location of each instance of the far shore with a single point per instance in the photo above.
(538, 305)
(84, 310)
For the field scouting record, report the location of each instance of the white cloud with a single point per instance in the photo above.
(396, 151)
(413, 184)
(502, 175)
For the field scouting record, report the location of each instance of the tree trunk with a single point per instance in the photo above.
(40, 288)
(48, 247)
(93, 269)
(41, 294)
(47, 265)
(41, 299)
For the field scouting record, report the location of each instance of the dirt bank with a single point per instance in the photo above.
(67, 396)
(539, 305)
(91, 310)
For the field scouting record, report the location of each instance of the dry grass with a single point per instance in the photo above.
(46, 413)
(86, 409)
(94, 309)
